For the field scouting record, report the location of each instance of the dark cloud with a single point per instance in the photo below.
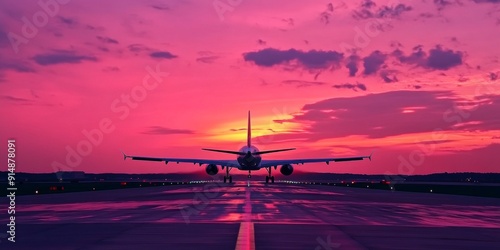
(106, 40)
(377, 115)
(136, 48)
(437, 58)
(317, 75)
(162, 54)
(312, 59)
(354, 87)
(441, 4)
(288, 21)
(326, 15)
(388, 76)
(301, 84)
(443, 59)
(426, 15)
(418, 56)
(61, 56)
(394, 113)
(4, 39)
(160, 7)
(373, 62)
(14, 65)
(352, 64)
(159, 130)
(486, 1)
(207, 59)
(16, 100)
(393, 11)
(463, 79)
(493, 76)
(13, 98)
(368, 4)
(67, 21)
(368, 9)
(482, 117)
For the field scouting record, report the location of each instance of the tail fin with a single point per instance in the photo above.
(249, 131)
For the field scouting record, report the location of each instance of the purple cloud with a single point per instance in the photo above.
(386, 116)
(301, 84)
(352, 64)
(159, 130)
(107, 40)
(162, 54)
(312, 59)
(60, 57)
(437, 58)
(367, 10)
(354, 87)
(373, 62)
(443, 59)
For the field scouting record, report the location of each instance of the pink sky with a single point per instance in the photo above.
(415, 82)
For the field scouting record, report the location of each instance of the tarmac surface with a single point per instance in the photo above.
(253, 215)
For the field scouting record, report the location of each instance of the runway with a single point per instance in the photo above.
(253, 215)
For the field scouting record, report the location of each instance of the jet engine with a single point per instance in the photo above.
(286, 169)
(211, 169)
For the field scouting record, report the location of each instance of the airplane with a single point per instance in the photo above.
(248, 159)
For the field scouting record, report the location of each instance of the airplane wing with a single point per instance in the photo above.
(272, 163)
(225, 163)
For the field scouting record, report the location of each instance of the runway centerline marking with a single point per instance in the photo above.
(246, 236)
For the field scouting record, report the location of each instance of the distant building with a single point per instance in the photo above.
(70, 175)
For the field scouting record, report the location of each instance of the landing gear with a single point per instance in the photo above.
(249, 174)
(228, 178)
(269, 178)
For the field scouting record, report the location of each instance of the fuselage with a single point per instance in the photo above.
(249, 161)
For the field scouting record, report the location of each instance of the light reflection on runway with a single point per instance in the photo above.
(271, 206)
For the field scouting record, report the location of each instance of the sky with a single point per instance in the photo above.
(413, 82)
